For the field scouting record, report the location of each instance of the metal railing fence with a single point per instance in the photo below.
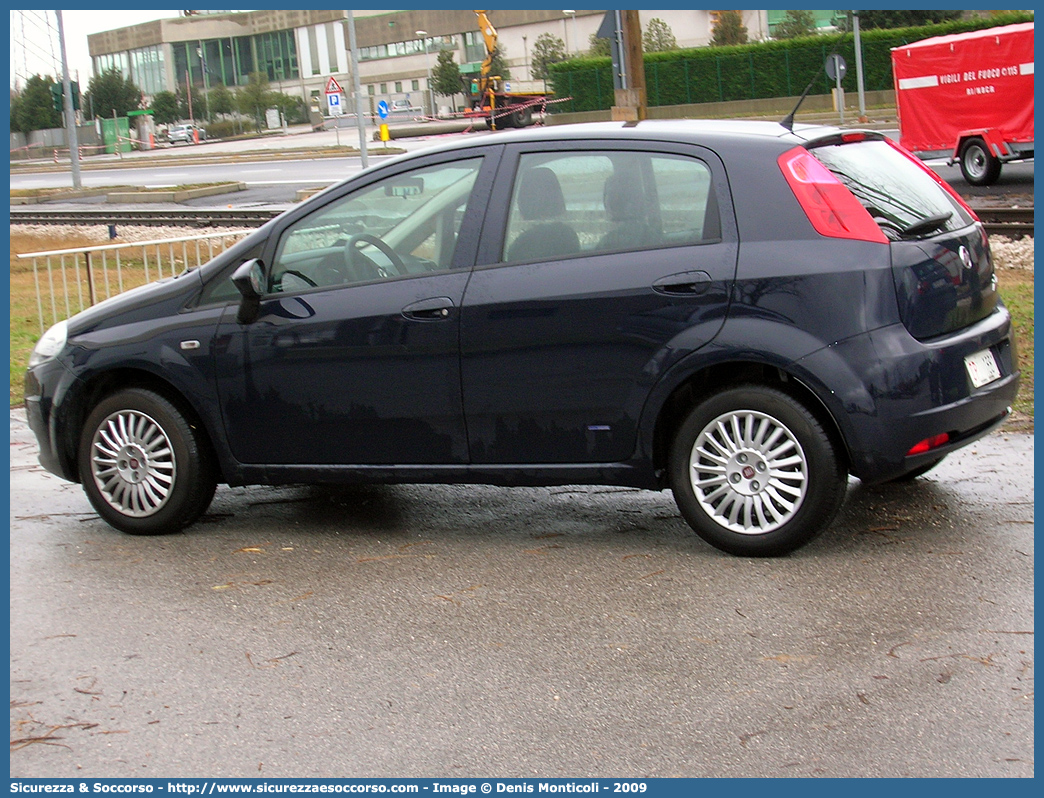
(66, 281)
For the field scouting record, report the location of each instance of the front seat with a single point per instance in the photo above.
(540, 200)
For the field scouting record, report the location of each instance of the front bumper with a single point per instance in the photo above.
(45, 386)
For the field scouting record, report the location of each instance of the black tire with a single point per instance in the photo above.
(523, 117)
(771, 478)
(979, 166)
(921, 470)
(145, 468)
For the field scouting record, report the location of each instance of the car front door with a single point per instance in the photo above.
(601, 265)
(353, 356)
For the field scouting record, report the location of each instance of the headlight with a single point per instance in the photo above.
(49, 345)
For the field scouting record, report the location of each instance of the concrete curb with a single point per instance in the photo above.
(174, 196)
(70, 194)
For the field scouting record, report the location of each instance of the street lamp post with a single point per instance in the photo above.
(206, 88)
(427, 59)
(576, 43)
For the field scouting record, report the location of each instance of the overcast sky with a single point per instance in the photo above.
(34, 39)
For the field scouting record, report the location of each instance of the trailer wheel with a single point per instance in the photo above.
(523, 117)
(978, 165)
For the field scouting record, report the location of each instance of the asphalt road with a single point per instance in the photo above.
(471, 631)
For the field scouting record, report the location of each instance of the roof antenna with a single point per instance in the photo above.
(788, 120)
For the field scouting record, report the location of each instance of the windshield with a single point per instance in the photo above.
(901, 197)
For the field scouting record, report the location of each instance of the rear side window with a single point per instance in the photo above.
(566, 204)
(898, 194)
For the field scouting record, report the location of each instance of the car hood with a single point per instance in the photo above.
(137, 303)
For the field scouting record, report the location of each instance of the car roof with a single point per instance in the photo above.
(702, 131)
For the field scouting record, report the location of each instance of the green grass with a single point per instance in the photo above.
(1016, 288)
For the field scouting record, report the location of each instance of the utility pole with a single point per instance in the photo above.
(357, 89)
(70, 115)
(859, 67)
(630, 95)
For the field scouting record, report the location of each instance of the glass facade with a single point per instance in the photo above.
(474, 46)
(230, 61)
(410, 47)
(103, 63)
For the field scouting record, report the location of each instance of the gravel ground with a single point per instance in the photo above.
(1012, 254)
(99, 234)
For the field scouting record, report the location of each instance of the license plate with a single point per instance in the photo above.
(982, 368)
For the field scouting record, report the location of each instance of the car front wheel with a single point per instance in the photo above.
(754, 473)
(144, 467)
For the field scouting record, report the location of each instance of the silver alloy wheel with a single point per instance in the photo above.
(133, 464)
(976, 161)
(748, 472)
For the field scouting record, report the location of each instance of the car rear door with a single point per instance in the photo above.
(602, 264)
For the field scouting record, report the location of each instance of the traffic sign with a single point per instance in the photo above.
(836, 67)
(382, 109)
(333, 87)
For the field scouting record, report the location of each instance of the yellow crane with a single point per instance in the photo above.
(488, 98)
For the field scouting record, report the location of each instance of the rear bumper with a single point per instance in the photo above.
(916, 390)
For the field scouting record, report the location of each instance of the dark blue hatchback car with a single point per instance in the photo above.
(742, 313)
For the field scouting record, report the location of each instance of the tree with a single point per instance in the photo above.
(111, 92)
(896, 18)
(165, 107)
(291, 107)
(445, 77)
(499, 65)
(658, 37)
(547, 49)
(729, 30)
(795, 24)
(33, 109)
(255, 98)
(599, 48)
(221, 100)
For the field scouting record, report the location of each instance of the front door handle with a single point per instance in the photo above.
(433, 309)
(683, 283)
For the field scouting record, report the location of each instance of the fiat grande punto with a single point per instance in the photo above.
(739, 312)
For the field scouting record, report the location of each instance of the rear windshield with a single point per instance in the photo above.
(897, 193)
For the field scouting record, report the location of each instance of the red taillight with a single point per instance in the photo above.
(946, 186)
(832, 209)
(928, 444)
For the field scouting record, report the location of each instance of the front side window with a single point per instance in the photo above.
(566, 204)
(397, 227)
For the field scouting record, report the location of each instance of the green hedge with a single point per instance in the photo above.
(750, 71)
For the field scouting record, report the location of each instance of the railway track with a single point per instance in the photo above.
(1009, 222)
(189, 217)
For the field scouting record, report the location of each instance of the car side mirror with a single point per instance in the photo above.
(249, 279)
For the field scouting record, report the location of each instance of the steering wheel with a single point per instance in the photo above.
(364, 268)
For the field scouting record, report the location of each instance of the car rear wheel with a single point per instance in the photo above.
(978, 165)
(754, 473)
(145, 468)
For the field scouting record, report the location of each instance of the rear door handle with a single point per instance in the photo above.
(433, 309)
(683, 283)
